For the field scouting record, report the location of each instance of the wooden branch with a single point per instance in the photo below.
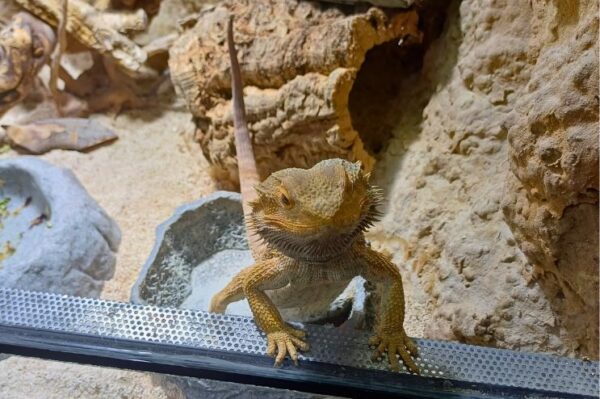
(99, 30)
(60, 48)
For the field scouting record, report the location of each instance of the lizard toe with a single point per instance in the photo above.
(375, 356)
(393, 359)
(302, 345)
(395, 344)
(282, 343)
(281, 352)
(408, 361)
(216, 305)
(271, 347)
(374, 341)
(411, 346)
(292, 351)
(297, 332)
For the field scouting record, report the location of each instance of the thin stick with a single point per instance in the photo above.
(60, 48)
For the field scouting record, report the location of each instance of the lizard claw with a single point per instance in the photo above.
(216, 305)
(395, 343)
(281, 343)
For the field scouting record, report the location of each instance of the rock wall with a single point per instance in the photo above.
(492, 178)
(551, 201)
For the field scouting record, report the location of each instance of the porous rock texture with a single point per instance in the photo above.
(299, 61)
(551, 200)
(492, 178)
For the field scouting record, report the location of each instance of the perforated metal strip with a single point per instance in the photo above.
(239, 334)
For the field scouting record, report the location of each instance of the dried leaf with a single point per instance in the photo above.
(4, 207)
(7, 251)
(38, 220)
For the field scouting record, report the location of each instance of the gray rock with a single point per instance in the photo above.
(197, 251)
(63, 241)
(215, 273)
(192, 236)
(202, 246)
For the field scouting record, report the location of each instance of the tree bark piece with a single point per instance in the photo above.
(378, 3)
(99, 30)
(25, 45)
(299, 61)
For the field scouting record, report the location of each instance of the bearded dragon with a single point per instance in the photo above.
(311, 224)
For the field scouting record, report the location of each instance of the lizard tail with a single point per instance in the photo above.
(248, 173)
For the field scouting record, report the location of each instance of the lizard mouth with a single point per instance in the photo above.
(318, 245)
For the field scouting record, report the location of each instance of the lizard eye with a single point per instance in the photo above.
(285, 200)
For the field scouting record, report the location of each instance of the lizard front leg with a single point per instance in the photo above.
(233, 292)
(389, 335)
(282, 339)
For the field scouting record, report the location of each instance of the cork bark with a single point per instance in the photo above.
(299, 62)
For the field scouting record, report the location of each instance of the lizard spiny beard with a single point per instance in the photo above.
(319, 248)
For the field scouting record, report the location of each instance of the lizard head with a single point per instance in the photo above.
(315, 214)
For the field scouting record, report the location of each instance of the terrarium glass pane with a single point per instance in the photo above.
(408, 188)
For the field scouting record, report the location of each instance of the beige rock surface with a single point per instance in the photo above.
(551, 201)
(502, 117)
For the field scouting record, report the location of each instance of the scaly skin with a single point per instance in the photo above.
(311, 222)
